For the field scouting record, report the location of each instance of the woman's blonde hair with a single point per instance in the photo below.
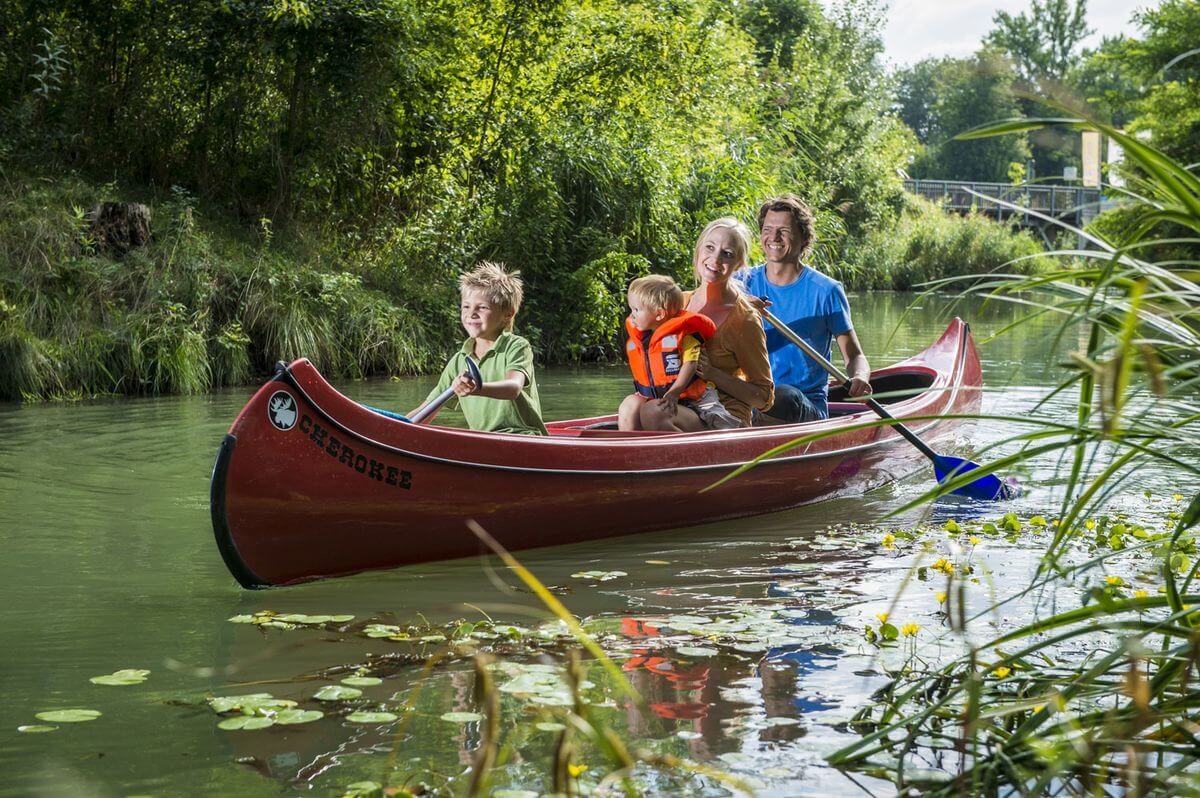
(741, 242)
(658, 291)
(503, 289)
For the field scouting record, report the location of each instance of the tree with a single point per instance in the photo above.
(961, 94)
(1042, 43)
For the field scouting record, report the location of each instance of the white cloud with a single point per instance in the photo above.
(917, 29)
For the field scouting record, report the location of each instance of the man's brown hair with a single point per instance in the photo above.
(802, 218)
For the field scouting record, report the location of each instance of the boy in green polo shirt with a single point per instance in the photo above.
(508, 399)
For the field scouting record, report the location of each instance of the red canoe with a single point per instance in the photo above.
(309, 483)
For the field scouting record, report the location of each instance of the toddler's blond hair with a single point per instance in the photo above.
(502, 288)
(658, 291)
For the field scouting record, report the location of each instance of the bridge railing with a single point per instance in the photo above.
(1055, 201)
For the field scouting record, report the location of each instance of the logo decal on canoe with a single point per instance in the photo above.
(282, 410)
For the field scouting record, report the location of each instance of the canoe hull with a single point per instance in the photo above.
(310, 484)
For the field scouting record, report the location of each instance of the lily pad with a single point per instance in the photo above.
(371, 717)
(381, 630)
(249, 704)
(122, 677)
(68, 715)
(341, 618)
(246, 723)
(600, 576)
(36, 728)
(362, 681)
(548, 726)
(291, 717)
(462, 717)
(336, 692)
(696, 651)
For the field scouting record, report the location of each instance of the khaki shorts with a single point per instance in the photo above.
(712, 413)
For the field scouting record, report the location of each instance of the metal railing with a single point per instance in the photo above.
(1062, 202)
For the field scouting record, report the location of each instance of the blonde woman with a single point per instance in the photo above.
(735, 358)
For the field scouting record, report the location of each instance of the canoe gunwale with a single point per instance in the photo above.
(951, 388)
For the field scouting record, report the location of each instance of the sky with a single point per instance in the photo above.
(918, 29)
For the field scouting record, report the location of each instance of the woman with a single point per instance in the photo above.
(735, 359)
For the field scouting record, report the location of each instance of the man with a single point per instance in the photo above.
(811, 304)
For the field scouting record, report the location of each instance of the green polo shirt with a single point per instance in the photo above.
(522, 415)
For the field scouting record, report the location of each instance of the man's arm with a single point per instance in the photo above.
(856, 364)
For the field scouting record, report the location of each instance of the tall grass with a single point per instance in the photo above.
(1098, 699)
(197, 308)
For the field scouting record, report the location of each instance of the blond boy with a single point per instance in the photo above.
(507, 401)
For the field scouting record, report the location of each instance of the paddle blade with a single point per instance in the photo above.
(988, 487)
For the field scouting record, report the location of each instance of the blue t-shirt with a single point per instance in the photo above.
(816, 308)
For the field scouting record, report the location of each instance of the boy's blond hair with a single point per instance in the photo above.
(658, 291)
(503, 289)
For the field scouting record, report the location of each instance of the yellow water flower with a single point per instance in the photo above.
(974, 540)
(943, 565)
(889, 540)
(1178, 497)
(1055, 522)
(909, 629)
(1140, 593)
(576, 770)
(882, 616)
(1089, 524)
(1001, 672)
(940, 596)
(1114, 580)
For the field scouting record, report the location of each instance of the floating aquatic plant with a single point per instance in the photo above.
(122, 677)
(68, 715)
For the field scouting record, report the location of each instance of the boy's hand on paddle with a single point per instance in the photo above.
(464, 385)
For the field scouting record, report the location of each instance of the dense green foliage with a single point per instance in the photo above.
(320, 173)
(916, 248)
(941, 98)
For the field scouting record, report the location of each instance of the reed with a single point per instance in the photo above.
(1026, 712)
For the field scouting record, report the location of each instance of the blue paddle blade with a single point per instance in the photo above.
(988, 487)
(388, 413)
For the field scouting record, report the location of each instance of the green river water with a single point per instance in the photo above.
(108, 562)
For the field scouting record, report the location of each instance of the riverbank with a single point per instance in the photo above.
(211, 302)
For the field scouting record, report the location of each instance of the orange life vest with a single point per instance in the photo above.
(656, 367)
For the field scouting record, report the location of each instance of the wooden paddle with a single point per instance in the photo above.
(988, 487)
(439, 400)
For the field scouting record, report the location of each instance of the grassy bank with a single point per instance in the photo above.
(203, 305)
(212, 302)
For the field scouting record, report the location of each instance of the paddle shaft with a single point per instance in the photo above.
(839, 375)
(439, 400)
